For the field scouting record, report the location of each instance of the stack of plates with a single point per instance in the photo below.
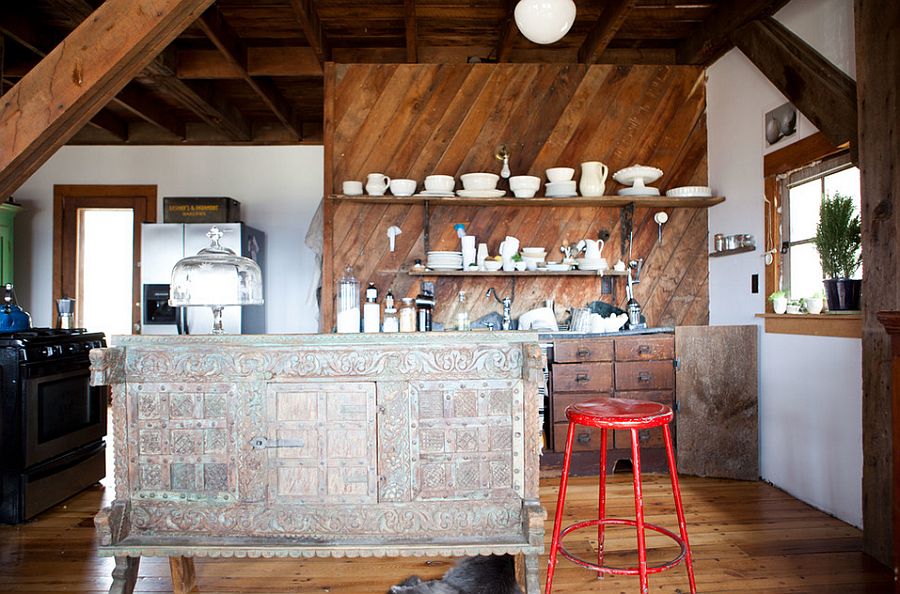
(445, 260)
(563, 189)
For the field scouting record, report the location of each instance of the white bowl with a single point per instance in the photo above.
(536, 251)
(440, 183)
(524, 192)
(525, 181)
(403, 187)
(557, 267)
(560, 174)
(479, 181)
(492, 265)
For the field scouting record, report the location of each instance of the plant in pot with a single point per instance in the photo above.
(815, 302)
(779, 301)
(838, 239)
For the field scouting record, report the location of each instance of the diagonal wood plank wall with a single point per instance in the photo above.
(409, 121)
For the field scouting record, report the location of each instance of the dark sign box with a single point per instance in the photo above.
(216, 209)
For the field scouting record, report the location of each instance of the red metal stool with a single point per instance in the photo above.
(632, 415)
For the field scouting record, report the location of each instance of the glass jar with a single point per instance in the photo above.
(408, 315)
(462, 314)
(348, 317)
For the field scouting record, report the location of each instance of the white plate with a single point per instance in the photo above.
(445, 253)
(480, 193)
(436, 267)
(630, 175)
(433, 193)
(643, 191)
(562, 195)
(559, 267)
(689, 192)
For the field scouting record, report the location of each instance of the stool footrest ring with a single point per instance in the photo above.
(625, 570)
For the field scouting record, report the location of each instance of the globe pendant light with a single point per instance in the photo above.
(545, 21)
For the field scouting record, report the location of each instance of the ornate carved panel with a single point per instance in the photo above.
(466, 439)
(181, 443)
(393, 442)
(320, 442)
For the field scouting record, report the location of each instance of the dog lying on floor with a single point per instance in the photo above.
(487, 574)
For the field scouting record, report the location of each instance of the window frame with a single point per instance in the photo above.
(777, 164)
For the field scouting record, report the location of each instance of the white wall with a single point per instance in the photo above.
(279, 189)
(810, 388)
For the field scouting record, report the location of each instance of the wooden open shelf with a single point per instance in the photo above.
(740, 250)
(516, 273)
(613, 201)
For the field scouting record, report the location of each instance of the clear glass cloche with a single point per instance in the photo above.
(216, 277)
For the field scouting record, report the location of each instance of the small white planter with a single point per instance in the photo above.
(779, 304)
(793, 308)
(814, 305)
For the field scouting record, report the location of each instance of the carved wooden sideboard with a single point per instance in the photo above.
(322, 445)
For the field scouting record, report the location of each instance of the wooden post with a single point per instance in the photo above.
(184, 578)
(80, 76)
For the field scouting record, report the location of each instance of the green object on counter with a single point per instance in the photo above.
(8, 212)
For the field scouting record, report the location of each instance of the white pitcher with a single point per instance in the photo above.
(592, 248)
(593, 178)
(377, 183)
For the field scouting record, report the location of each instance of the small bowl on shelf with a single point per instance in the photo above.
(492, 265)
(479, 181)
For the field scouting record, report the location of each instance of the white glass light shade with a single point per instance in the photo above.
(545, 21)
(216, 277)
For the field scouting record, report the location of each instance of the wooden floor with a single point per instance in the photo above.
(746, 537)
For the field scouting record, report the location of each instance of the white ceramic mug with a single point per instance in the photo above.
(353, 188)
(377, 183)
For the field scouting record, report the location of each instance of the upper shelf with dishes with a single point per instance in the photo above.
(480, 189)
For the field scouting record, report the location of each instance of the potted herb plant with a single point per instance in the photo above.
(838, 240)
(779, 301)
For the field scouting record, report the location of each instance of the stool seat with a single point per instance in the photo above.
(619, 413)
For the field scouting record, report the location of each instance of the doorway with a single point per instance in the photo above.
(97, 253)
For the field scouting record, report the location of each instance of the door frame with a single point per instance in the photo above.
(67, 199)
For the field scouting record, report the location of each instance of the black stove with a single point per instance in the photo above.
(52, 422)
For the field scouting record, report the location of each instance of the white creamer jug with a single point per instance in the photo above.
(593, 178)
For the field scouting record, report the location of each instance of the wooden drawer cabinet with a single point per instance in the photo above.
(649, 438)
(583, 377)
(579, 351)
(562, 401)
(586, 438)
(645, 375)
(644, 348)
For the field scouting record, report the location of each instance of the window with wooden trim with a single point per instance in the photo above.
(801, 194)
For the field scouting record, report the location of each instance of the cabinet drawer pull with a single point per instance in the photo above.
(644, 435)
(582, 377)
(645, 376)
(582, 353)
(584, 438)
(644, 349)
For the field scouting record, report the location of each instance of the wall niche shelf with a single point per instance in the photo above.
(611, 201)
(740, 250)
(594, 273)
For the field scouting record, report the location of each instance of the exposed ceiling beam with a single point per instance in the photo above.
(17, 25)
(819, 89)
(713, 37)
(305, 13)
(608, 23)
(412, 55)
(73, 83)
(261, 61)
(217, 29)
(508, 31)
(201, 99)
(110, 122)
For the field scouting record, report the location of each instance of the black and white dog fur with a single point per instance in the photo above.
(488, 574)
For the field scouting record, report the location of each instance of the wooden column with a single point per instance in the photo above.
(878, 78)
(80, 76)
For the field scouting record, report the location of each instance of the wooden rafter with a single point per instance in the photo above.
(610, 20)
(289, 61)
(80, 76)
(412, 55)
(15, 25)
(201, 99)
(217, 29)
(508, 32)
(713, 37)
(110, 122)
(820, 90)
(306, 15)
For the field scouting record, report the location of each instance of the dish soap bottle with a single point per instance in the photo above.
(371, 311)
(462, 314)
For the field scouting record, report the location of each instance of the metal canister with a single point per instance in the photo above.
(719, 241)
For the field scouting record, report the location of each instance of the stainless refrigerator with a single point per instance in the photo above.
(164, 244)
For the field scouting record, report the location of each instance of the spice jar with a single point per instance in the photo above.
(408, 315)
(719, 241)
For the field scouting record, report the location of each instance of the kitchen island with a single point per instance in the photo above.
(322, 445)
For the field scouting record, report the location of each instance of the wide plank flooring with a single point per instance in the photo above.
(746, 537)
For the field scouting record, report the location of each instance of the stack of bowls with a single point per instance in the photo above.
(561, 184)
(524, 186)
(533, 257)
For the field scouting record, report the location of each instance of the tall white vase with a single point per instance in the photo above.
(593, 178)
